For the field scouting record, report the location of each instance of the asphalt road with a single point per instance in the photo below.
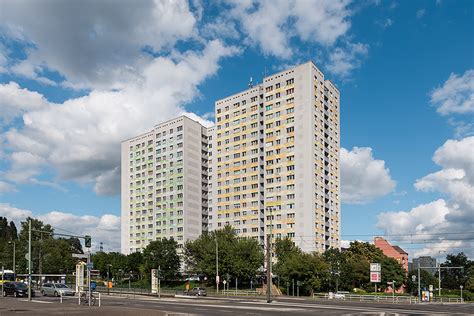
(114, 305)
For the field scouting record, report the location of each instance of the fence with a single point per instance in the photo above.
(383, 298)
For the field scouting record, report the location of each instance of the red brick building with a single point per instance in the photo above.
(394, 252)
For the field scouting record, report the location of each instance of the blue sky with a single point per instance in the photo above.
(404, 69)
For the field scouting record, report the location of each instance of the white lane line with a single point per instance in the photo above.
(44, 302)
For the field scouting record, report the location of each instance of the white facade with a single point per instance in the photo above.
(277, 157)
(270, 162)
(164, 184)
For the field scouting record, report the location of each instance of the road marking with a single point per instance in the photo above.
(36, 301)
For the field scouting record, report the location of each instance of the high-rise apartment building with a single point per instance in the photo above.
(275, 160)
(164, 184)
(271, 162)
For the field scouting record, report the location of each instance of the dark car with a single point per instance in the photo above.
(16, 289)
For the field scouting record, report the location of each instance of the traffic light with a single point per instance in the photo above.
(87, 241)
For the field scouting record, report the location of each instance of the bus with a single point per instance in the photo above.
(7, 276)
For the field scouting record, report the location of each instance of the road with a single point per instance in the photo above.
(114, 305)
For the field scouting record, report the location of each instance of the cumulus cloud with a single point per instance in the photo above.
(449, 223)
(84, 41)
(363, 178)
(271, 25)
(14, 101)
(105, 228)
(343, 60)
(81, 137)
(456, 95)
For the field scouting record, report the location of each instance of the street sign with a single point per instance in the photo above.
(224, 282)
(375, 267)
(27, 256)
(375, 277)
(90, 265)
(431, 288)
(413, 278)
(217, 279)
(79, 255)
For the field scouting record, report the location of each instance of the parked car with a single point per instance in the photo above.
(198, 291)
(16, 289)
(57, 289)
(340, 295)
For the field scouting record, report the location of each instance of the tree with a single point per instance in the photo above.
(162, 253)
(135, 262)
(238, 257)
(336, 261)
(426, 279)
(40, 234)
(8, 234)
(453, 278)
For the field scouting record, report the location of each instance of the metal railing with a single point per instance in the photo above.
(384, 298)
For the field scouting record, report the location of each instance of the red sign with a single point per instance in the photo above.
(375, 277)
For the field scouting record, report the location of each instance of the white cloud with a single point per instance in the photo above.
(14, 101)
(6, 187)
(93, 43)
(105, 228)
(363, 178)
(272, 24)
(420, 13)
(447, 222)
(456, 96)
(80, 138)
(342, 61)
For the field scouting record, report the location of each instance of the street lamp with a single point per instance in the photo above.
(269, 257)
(461, 292)
(217, 265)
(108, 278)
(14, 255)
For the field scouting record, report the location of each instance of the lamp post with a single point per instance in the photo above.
(269, 258)
(461, 292)
(108, 278)
(217, 265)
(14, 255)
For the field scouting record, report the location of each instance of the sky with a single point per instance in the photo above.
(78, 77)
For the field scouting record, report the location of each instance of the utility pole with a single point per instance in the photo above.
(217, 264)
(393, 290)
(419, 283)
(439, 279)
(29, 260)
(89, 294)
(159, 281)
(14, 255)
(3, 276)
(269, 260)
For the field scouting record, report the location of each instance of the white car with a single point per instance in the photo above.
(340, 295)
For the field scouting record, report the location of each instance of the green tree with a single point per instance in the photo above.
(135, 262)
(8, 235)
(162, 253)
(336, 260)
(40, 234)
(426, 279)
(238, 257)
(453, 278)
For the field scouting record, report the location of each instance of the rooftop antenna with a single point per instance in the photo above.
(250, 83)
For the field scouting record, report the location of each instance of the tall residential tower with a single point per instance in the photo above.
(164, 184)
(276, 159)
